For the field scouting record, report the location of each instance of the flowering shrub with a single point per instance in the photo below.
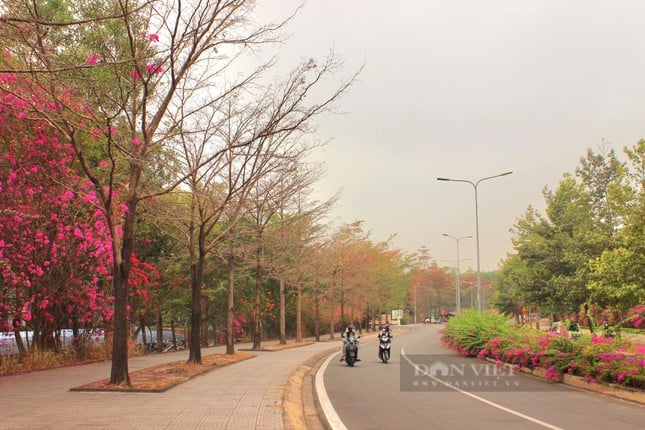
(468, 332)
(636, 317)
(595, 358)
(633, 318)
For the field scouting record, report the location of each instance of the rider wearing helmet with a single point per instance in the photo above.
(385, 331)
(349, 334)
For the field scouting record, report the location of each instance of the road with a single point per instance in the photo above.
(408, 393)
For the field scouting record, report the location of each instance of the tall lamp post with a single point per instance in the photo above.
(475, 184)
(458, 287)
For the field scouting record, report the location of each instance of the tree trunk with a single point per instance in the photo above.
(317, 318)
(173, 334)
(204, 321)
(331, 317)
(159, 328)
(120, 274)
(589, 318)
(21, 345)
(119, 373)
(230, 308)
(142, 326)
(298, 312)
(257, 326)
(283, 313)
(342, 307)
(195, 353)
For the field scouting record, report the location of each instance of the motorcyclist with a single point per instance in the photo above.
(385, 330)
(349, 334)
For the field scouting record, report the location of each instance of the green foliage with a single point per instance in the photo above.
(469, 331)
(588, 248)
(615, 284)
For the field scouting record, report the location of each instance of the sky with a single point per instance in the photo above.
(466, 90)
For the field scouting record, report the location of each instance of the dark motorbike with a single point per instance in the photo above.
(351, 352)
(384, 346)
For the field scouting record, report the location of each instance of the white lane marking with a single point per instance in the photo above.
(333, 419)
(481, 399)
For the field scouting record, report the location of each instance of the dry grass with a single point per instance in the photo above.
(42, 360)
(165, 376)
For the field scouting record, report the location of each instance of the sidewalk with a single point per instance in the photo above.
(245, 395)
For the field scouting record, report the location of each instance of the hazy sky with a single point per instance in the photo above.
(468, 89)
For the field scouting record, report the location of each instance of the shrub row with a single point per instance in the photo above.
(596, 358)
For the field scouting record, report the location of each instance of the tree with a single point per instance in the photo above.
(617, 273)
(576, 255)
(508, 286)
(132, 76)
(292, 230)
(131, 115)
(54, 246)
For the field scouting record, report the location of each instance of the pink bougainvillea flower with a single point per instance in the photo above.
(136, 142)
(552, 374)
(90, 197)
(135, 74)
(154, 69)
(7, 53)
(92, 59)
(67, 196)
(153, 37)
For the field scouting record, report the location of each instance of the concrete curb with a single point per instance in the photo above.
(612, 390)
(300, 408)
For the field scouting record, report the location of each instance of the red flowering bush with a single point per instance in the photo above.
(636, 317)
(55, 253)
(595, 358)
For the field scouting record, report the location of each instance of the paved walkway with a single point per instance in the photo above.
(245, 395)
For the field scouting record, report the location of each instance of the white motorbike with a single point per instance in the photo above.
(384, 346)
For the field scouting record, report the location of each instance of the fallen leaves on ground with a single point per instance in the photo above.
(165, 376)
(278, 347)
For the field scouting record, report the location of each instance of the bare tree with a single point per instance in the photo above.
(293, 231)
(115, 74)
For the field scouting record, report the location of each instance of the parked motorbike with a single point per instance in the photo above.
(351, 352)
(385, 344)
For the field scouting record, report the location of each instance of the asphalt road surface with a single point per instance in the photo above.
(425, 386)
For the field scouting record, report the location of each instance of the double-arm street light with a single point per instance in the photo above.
(475, 184)
(458, 286)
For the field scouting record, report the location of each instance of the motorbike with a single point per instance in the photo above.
(385, 344)
(351, 352)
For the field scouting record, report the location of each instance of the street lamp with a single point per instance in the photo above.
(458, 287)
(475, 184)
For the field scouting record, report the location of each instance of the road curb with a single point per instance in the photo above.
(611, 390)
(300, 406)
